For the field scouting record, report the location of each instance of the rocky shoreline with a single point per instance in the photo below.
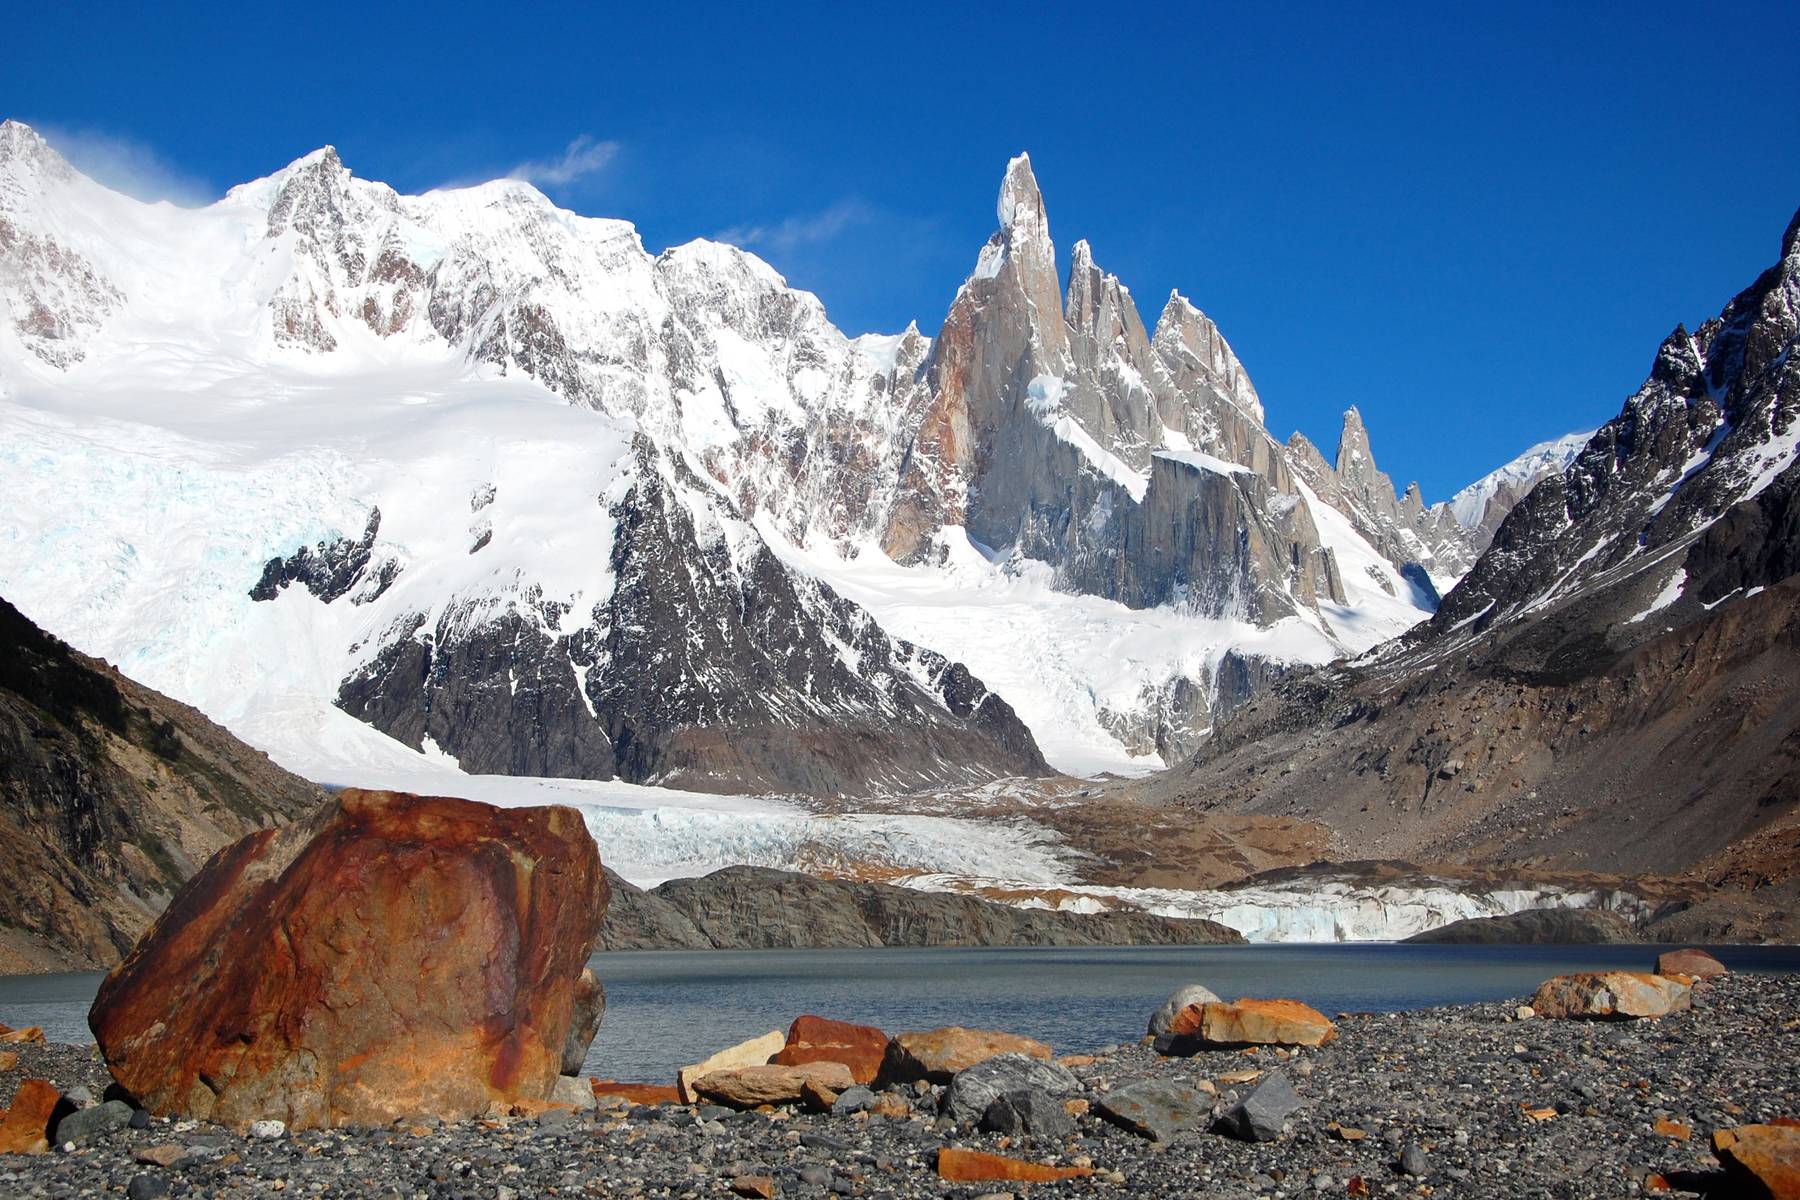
(1467, 1101)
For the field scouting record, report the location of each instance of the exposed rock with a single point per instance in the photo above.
(1158, 1109)
(1535, 927)
(1611, 995)
(577, 1093)
(1761, 1160)
(762, 908)
(1028, 1113)
(754, 1052)
(1180, 998)
(938, 1054)
(584, 1021)
(25, 1126)
(747, 1087)
(853, 1100)
(1249, 1022)
(637, 1093)
(973, 1089)
(754, 1187)
(391, 956)
(1259, 1116)
(100, 1119)
(111, 796)
(957, 1165)
(1690, 961)
(816, 1039)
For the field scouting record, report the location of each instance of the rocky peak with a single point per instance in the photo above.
(1186, 338)
(1021, 204)
(23, 148)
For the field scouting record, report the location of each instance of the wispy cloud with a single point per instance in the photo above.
(127, 166)
(584, 156)
(795, 232)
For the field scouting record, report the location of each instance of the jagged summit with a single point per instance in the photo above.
(1021, 203)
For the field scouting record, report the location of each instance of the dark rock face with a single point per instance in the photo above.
(711, 665)
(111, 797)
(330, 569)
(1259, 1116)
(758, 908)
(391, 956)
(1536, 927)
(974, 1089)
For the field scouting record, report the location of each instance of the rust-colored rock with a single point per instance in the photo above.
(973, 1166)
(938, 1054)
(1611, 995)
(637, 1093)
(1673, 1130)
(8, 1059)
(1762, 1160)
(817, 1039)
(754, 1187)
(391, 956)
(1689, 961)
(25, 1127)
(754, 1053)
(31, 1035)
(1254, 1023)
(747, 1087)
(891, 1106)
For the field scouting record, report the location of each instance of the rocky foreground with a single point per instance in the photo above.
(1464, 1101)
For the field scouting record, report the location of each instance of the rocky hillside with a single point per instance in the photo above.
(1613, 685)
(754, 908)
(113, 796)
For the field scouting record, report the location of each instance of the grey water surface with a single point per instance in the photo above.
(668, 1008)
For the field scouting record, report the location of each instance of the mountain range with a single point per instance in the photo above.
(466, 482)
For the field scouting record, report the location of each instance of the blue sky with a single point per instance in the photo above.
(1476, 231)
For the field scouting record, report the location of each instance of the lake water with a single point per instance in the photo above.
(667, 1008)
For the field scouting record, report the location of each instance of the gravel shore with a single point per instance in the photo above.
(1464, 1101)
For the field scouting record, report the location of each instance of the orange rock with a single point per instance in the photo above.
(973, 1166)
(817, 1039)
(1611, 995)
(1656, 1183)
(747, 1087)
(755, 1187)
(25, 1129)
(1254, 1023)
(1762, 1160)
(1077, 1060)
(1672, 1129)
(30, 1034)
(1690, 961)
(637, 1093)
(938, 1054)
(890, 1106)
(8, 1059)
(391, 956)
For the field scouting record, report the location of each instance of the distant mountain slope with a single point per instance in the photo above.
(1483, 505)
(1615, 684)
(111, 796)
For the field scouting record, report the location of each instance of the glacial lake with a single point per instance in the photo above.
(667, 1008)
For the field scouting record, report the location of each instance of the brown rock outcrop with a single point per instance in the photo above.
(1611, 995)
(1248, 1022)
(1689, 961)
(394, 955)
(817, 1039)
(1762, 1160)
(747, 1087)
(938, 1054)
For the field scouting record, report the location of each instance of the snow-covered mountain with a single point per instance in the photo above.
(1483, 505)
(498, 482)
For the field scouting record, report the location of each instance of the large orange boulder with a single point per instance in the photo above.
(938, 1054)
(816, 1039)
(391, 956)
(1761, 1160)
(1611, 996)
(1253, 1023)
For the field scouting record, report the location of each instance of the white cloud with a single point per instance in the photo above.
(583, 157)
(127, 166)
(794, 232)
